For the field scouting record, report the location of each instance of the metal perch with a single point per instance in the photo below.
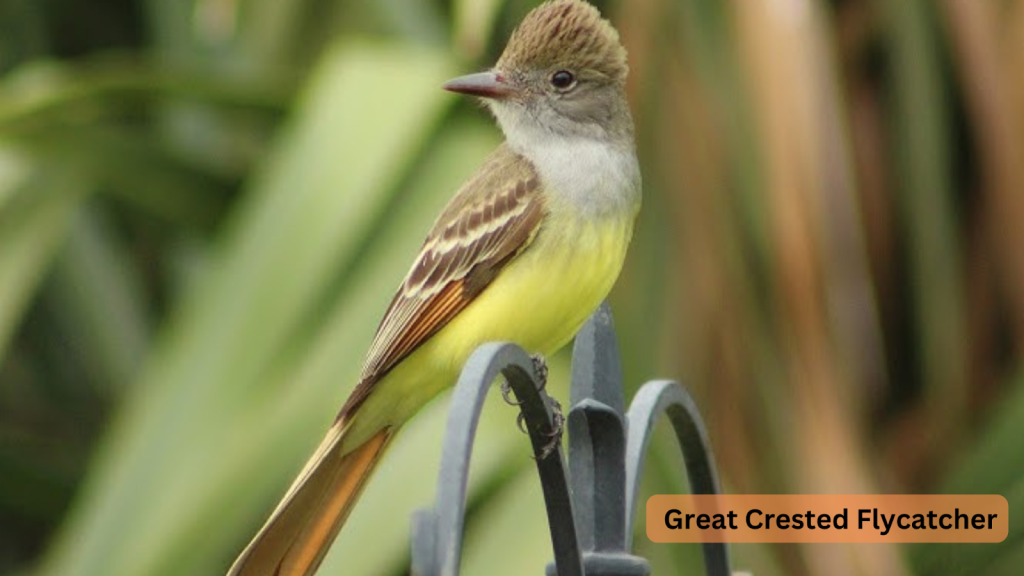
(591, 510)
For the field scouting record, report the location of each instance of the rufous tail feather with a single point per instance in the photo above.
(299, 532)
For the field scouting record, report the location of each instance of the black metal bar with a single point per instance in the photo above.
(597, 436)
(437, 533)
(591, 526)
(596, 368)
(597, 451)
(668, 397)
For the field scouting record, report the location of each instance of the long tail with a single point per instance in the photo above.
(298, 533)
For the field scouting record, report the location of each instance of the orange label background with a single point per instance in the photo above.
(658, 506)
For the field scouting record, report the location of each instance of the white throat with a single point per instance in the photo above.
(597, 176)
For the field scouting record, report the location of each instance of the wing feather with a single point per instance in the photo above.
(490, 221)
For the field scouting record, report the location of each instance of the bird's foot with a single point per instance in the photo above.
(540, 370)
(506, 391)
(557, 427)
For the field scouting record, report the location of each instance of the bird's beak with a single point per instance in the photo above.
(483, 84)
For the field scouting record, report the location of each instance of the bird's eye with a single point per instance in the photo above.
(563, 80)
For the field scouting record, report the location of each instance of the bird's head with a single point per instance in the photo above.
(562, 74)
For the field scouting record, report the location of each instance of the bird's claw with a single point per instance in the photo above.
(557, 427)
(540, 370)
(506, 390)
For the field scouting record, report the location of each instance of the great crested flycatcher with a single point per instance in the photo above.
(524, 252)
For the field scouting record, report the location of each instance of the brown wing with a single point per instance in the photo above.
(491, 220)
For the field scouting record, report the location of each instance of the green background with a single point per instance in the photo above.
(206, 205)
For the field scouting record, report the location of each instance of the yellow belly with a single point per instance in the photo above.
(539, 301)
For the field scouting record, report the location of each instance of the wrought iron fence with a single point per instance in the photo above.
(591, 505)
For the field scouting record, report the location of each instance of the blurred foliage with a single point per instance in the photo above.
(205, 206)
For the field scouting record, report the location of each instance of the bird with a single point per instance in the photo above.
(525, 251)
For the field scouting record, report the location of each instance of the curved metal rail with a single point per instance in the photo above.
(591, 510)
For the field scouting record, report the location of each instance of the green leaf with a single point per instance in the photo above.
(992, 466)
(98, 294)
(189, 443)
(33, 221)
